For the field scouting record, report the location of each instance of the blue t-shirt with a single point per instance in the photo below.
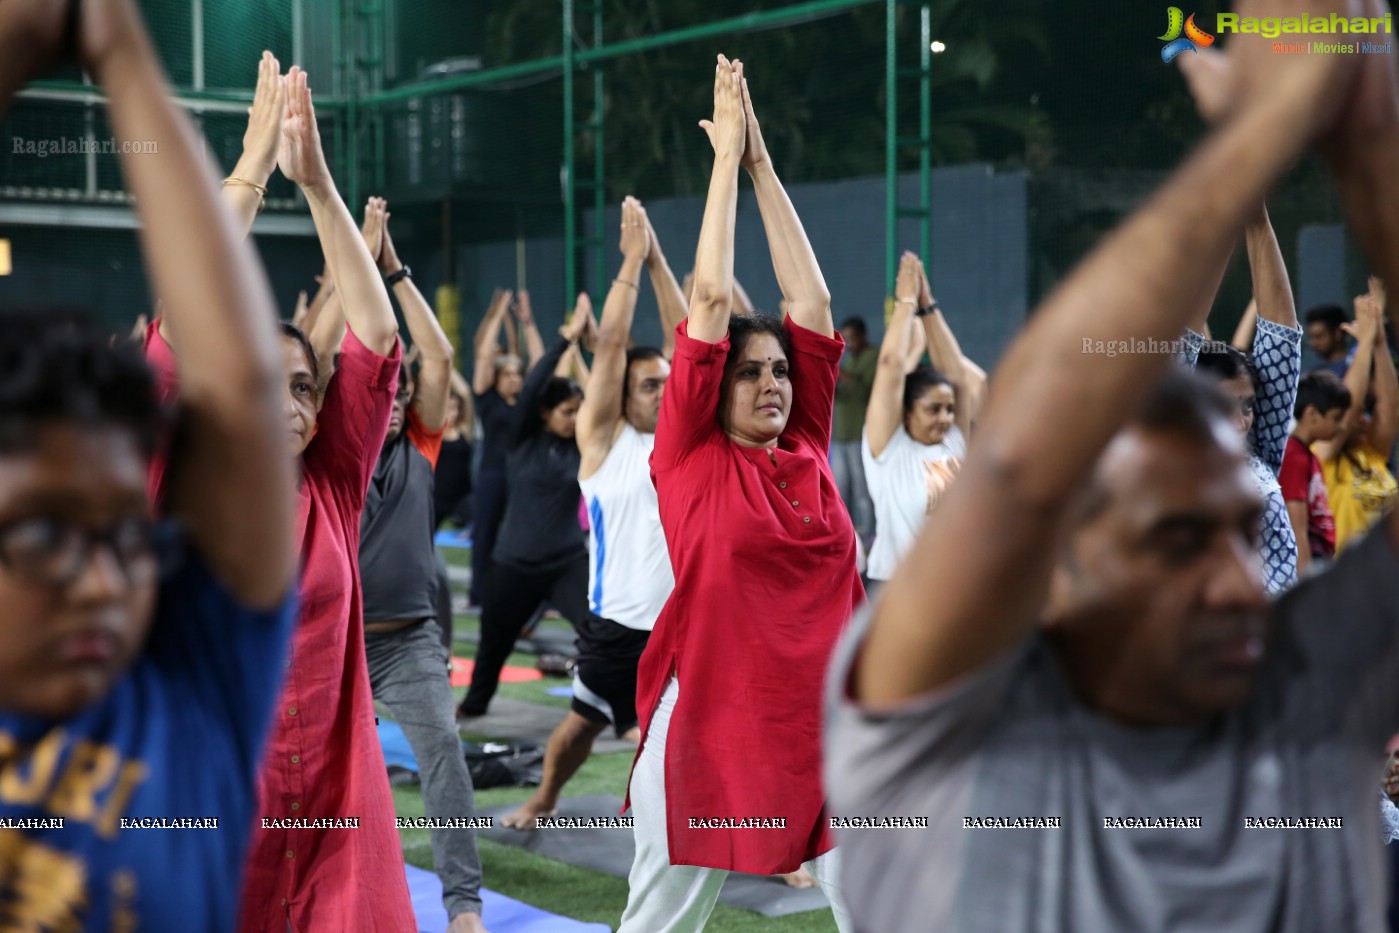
(178, 739)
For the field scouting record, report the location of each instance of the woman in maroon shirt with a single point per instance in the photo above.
(323, 761)
(753, 521)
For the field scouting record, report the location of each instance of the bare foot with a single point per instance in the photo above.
(801, 878)
(466, 923)
(524, 818)
(633, 735)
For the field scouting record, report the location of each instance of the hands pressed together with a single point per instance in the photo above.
(637, 239)
(734, 131)
(1368, 326)
(581, 323)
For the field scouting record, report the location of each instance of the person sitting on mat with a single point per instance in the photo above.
(540, 553)
(764, 554)
(139, 661)
(629, 574)
(408, 667)
(324, 761)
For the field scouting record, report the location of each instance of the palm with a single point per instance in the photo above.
(299, 153)
(754, 149)
(260, 141)
(294, 152)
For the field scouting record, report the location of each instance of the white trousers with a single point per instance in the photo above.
(666, 898)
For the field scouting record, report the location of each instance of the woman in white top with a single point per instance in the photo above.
(918, 420)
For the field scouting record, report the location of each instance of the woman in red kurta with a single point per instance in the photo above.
(325, 852)
(729, 689)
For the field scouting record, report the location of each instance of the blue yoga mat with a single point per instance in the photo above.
(560, 691)
(500, 914)
(397, 751)
(448, 538)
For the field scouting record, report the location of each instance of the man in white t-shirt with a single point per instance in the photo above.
(629, 573)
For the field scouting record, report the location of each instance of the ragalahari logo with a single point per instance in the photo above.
(1194, 39)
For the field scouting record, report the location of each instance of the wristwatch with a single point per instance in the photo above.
(399, 276)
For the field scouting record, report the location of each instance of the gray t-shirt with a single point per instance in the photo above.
(1012, 742)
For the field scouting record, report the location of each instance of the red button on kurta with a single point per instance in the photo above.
(763, 587)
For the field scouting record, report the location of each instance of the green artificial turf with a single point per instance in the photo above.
(563, 889)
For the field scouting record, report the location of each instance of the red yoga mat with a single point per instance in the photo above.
(461, 673)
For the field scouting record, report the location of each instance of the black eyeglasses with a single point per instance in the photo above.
(53, 552)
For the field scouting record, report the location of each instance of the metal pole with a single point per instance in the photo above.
(891, 145)
(599, 167)
(925, 136)
(570, 219)
(749, 22)
(352, 111)
(196, 19)
(298, 32)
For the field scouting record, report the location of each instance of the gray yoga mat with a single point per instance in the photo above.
(611, 850)
(519, 721)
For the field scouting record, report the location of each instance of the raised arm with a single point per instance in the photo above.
(1367, 329)
(1243, 334)
(245, 189)
(488, 342)
(601, 411)
(512, 339)
(670, 299)
(232, 485)
(573, 366)
(363, 298)
(434, 383)
(1272, 291)
(967, 378)
(963, 598)
(325, 287)
(534, 344)
(885, 411)
(525, 418)
(711, 299)
(1210, 79)
(1277, 342)
(917, 349)
(327, 329)
(804, 293)
(1385, 423)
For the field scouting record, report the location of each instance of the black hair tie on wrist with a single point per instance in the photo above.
(927, 310)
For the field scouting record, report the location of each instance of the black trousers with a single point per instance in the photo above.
(488, 502)
(512, 595)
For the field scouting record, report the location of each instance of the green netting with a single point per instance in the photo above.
(1071, 92)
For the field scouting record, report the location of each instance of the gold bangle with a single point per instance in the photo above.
(911, 301)
(632, 285)
(260, 189)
